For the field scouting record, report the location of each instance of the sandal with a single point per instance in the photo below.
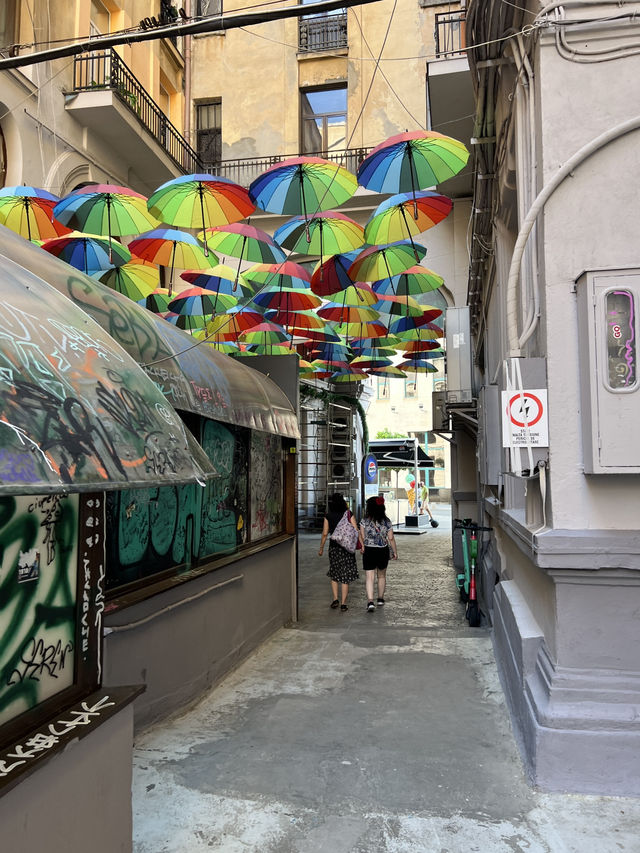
(334, 604)
(343, 607)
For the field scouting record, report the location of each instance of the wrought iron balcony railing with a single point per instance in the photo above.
(103, 69)
(450, 33)
(324, 32)
(243, 171)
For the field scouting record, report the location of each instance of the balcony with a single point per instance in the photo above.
(450, 33)
(322, 33)
(243, 171)
(109, 99)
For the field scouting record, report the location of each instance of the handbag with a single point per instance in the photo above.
(345, 534)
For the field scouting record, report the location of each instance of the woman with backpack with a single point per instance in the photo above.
(376, 537)
(342, 563)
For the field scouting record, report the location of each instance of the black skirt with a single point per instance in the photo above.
(342, 564)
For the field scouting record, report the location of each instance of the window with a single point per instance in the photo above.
(621, 341)
(8, 25)
(324, 120)
(383, 388)
(208, 7)
(410, 387)
(322, 31)
(209, 133)
(100, 19)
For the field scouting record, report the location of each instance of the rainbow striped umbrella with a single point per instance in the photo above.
(412, 161)
(287, 299)
(418, 367)
(326, 233)
(88, 252)
(302, 185)
(197, 301)
(331, 276)
(389, 370)
(219, 278)
(266, 334)
(405, 216)
(135, 279)
(106, 209)
(336, 312)
(157, 301)
(402, 306)
(203, 201)
(286, 274)
(412, 282)
(427, 332)
(171, 248)
(420, 346)
(29, 212)
(410, 324)
(377, 262)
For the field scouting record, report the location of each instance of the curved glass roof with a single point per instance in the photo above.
(192, 376)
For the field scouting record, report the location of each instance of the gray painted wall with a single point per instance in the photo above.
(78, 801)
(182, 641)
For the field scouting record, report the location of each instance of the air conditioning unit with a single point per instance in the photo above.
(459, 356)
(439, 411)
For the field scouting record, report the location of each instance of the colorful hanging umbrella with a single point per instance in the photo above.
(367, 329)
(171, 248)
(186, 322)
(87, 252)
(378, 262)
(285, 274)
(412, 161)
(29, 212)
(413, 356)
(409, 324)
(157, 301)
(405, 216)
(106, 209)
(135, 279)
(347, 376)
(229, 326)
(243, 241)
(399, 306)
(199, 302)
(339, 313)
(200, 201)
(287, 299)
(266, 334)
(412, 282)
(427, 332)
(331, 276)
(302, 185)
(390, 370)
(421, 346)
(299, 321)
(365, 362)
(220, 278)
(326, 233)
(418, 367)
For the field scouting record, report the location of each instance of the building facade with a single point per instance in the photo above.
(549, 434)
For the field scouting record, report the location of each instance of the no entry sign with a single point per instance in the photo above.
(524, 418)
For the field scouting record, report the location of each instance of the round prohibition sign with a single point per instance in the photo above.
(530, 401)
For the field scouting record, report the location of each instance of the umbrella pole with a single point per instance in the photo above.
(204, 227)
(244, 242)
(109, 227)
(413, 186)
(26, 207)
(173, 258)
(304, 205)
(404, 216)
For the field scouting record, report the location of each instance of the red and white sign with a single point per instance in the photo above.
(524, 418)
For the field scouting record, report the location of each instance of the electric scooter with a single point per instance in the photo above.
(466, 580)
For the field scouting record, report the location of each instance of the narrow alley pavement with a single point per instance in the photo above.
(355, 732)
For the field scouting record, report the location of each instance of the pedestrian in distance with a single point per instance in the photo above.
(342, 563)
(379, 545)
(423, 503)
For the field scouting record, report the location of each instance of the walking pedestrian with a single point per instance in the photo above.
(423, 503)
(342, 563)
(379, 544)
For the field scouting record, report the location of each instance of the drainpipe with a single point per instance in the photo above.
(514, 340)
(186, 122)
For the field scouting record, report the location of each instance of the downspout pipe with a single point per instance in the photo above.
(516, 342)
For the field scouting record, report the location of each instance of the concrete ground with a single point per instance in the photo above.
(362, 733)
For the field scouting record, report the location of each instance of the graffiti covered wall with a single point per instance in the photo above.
(38, 564)
(266, 485)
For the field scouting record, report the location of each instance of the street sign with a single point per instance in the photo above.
(524, 418)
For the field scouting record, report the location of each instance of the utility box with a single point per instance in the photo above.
(440, 418)
(489, 445)
(459, 360)
(608, 328)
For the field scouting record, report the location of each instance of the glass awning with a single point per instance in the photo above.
(193, 377)
(76, 411)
